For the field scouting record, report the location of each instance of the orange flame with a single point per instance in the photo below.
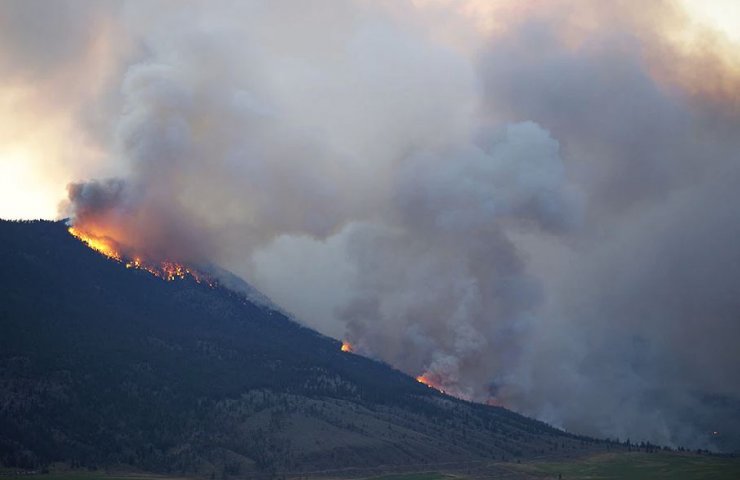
(166, 270)
(347, 347)
(423, 379)
(427, 380)
(104, 245)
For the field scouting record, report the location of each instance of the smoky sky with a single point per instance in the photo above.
(541, 214)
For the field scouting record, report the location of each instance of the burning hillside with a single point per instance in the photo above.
(430, 381)
(211, 360)
(164, 269)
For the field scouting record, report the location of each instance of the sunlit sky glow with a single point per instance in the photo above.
(721, 15)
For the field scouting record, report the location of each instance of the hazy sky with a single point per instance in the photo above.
(531, 202)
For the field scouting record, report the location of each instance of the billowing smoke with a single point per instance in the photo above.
(441, 287)
(640, 329)
(531, 204)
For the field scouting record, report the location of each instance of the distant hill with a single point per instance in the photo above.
(102, 365)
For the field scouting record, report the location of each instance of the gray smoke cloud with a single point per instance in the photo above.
(442, 288)
(544, 220)
(640, 330)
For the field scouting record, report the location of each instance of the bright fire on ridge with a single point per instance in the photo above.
(166, 270)
(347, 347)
(426, 380)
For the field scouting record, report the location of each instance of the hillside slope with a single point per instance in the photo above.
(103, 365)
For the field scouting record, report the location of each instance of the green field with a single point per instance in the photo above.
(613, 466)
(639, 466)
(83, 475)
(414, 476)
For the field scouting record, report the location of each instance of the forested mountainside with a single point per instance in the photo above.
(102, 365)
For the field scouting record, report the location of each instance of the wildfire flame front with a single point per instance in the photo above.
(166, 270)
(426, 379)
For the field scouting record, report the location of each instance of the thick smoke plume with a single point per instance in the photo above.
(533, 204)
(442, 288)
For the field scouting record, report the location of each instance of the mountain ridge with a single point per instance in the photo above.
(103, 365)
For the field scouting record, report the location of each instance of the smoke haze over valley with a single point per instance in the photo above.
(533, 204)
